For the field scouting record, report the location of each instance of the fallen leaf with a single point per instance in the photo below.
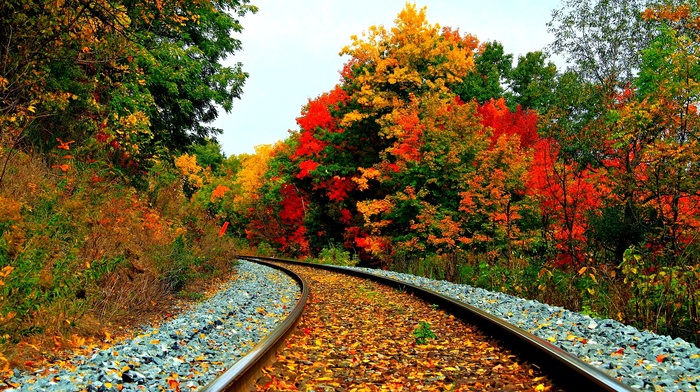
(618, 352)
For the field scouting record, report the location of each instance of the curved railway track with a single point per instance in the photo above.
(567, 371)
(242, 374)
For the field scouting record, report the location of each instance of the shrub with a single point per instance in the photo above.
(662, 298)
(336, 255)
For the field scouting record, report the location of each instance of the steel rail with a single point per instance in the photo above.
(242, 375)
(565, 369)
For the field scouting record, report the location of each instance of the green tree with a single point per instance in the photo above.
(601, 39)
(492, 69)
(532, 82)
(602, 42)
(120, 79)
(183, 67)
(209, 155)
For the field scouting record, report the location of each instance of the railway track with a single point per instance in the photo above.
(241, 376)
(566, 371)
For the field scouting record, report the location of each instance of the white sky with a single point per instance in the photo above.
(290, 50)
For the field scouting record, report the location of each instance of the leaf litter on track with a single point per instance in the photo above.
(358, 335)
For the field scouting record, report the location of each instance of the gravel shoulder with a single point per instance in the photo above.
(186, 352)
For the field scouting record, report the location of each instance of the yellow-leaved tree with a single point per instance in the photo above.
(400, 80)
(251, 177)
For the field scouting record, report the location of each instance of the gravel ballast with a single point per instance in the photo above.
(640, 359)
(188, 351)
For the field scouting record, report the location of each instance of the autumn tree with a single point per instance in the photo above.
(324, 160)
(568, 197)
(370, 122)
(119, 78)
(422, 211)
(393, 77)
(627, 115)
(392, 161)
(602, 40)
(279, 213)
(658, 124)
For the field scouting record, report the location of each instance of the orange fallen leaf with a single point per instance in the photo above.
(174, 384)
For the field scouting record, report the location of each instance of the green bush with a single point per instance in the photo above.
(178, 265)
(423, 332)
(264, 249)
(335, 255)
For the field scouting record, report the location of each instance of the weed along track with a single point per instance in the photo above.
(359, 335)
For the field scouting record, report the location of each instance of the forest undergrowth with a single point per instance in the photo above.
(87, 257)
